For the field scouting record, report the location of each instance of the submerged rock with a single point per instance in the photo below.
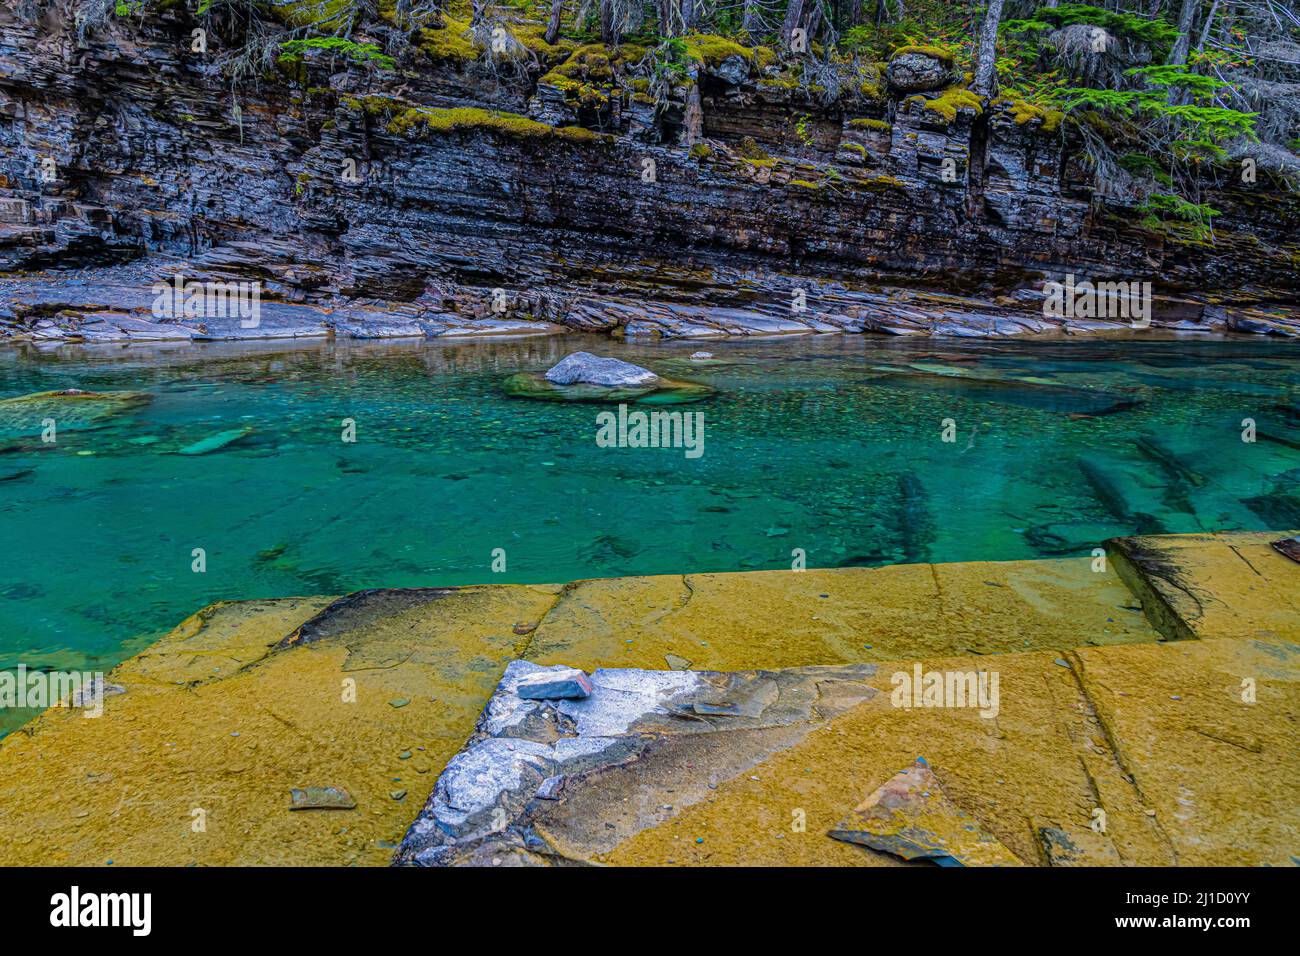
(321, 798)
(1021, 391)
(216, 442)
(583, 368)
(68, 408)
(74, 395)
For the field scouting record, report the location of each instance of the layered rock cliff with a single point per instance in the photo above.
(740, 206)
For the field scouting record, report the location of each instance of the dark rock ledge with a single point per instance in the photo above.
(888, 218)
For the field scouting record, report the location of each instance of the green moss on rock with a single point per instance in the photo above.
(950, 101)
(942, 54)
(422, 121)
(875, 125)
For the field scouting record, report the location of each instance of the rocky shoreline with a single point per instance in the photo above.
(113, 305)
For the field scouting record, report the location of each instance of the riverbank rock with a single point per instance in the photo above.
(583, 368)
(656, 391)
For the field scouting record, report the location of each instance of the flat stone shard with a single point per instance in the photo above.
(910, 817)
(551, 788)
(321, 798)
(564, 684)
(547, 781)
(1289, 547)
(583, 368)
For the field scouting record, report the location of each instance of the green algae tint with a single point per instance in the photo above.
(833, 445)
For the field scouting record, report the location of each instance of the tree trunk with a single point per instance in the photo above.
(1186, 20)
(985, 61)
(793, 17)
(608, 33)
(690, 13)
(553, 25)
(752, 21)
(1209, 22)
(814, 21)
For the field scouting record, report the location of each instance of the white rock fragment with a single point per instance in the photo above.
(587, 369)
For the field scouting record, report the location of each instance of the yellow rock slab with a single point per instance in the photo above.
(375, 691)
(1041, 764)
(194, 763)
(777, 619)
(1213, 585)
(1207, 730)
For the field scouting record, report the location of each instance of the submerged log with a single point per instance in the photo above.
(1277, 510)
(1279, 438)
(1173, 464)
(1107, 487)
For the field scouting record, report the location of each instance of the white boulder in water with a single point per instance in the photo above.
(583, 368)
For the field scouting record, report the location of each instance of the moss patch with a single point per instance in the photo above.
(875, 125)
(1022, 112)
(947, 103)
(421, 121)
(943, 55)
(711, 50)
(449, 43)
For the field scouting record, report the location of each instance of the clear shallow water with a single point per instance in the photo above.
(809, 443)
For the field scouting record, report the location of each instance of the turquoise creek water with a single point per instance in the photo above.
(833, 445)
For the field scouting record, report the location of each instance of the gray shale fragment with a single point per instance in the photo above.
(567, 684)
(321, 798)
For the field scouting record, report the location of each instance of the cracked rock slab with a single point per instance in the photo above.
(1213, 585)
(531, 786)
(911, 817)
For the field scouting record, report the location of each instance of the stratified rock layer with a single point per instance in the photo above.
(523, 216)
